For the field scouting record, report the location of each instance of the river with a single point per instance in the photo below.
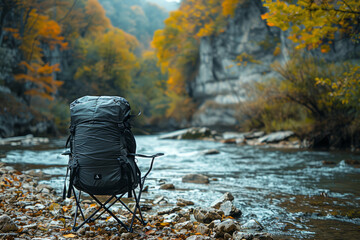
(292, 193)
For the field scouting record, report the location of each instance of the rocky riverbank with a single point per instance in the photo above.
(29, 210)
(280, 139)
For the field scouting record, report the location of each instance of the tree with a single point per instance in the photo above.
(315, 23)
(108, 62)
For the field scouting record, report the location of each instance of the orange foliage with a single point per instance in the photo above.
(40, 75)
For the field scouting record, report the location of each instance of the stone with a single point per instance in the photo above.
(227, 236)
(159, 199)
(225, 197)
(189, 133)
(276, 137)
(206, 215)
(229, 209)
(184, 225)
(242, 235)
(173, 217)
(211, 152)
(167, 186)
(252, 224)
(227, 226)
(198, 237)
(128, 235)
(195, 178)
(252, 135)
(202, 228)
(168, 211)
(7, 224)
(182, 202)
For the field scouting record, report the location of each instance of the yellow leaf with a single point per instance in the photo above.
(71, 235)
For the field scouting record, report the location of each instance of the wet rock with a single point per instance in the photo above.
(226, 197)
(196, 178)
(276, 137)
(159, 199)
(173, 217)
(7, 224)
(229, 209)
(242, 235)
(214, 223)
(253, 135)
(206, 215)
(188, 225)
(202, 228)
(228, 226)
(190, 133)
(167, 186)
(210, 152)
(182, 202)
(168, 211)
(252, 224)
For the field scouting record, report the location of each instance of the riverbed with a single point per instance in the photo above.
(291, 193)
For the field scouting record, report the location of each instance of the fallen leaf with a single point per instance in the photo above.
(150, 232)
(70, 235)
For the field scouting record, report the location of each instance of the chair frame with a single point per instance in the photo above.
(105, 208)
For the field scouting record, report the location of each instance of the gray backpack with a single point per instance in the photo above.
(102, 147)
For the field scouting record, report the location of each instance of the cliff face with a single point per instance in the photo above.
(219, 85)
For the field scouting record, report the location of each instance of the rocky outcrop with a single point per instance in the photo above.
(219, 85)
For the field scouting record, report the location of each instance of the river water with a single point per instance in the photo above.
(291, 193)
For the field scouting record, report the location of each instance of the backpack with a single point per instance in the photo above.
(102, 147)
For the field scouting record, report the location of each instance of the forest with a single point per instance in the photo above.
(56, 51)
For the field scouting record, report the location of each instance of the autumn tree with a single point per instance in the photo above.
(108, 62)
(315, 24)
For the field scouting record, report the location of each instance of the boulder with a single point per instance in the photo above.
(253, 135)
(190, 133)
(276, 137)
(195, 178)
(7, 224)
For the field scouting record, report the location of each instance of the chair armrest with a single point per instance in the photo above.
(147, 156)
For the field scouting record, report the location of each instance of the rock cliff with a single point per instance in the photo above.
(219, 85)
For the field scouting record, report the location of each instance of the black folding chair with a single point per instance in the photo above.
(104, 207)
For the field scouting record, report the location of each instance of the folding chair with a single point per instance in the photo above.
(105, 206)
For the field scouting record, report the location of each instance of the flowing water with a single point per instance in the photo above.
(291, 193)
